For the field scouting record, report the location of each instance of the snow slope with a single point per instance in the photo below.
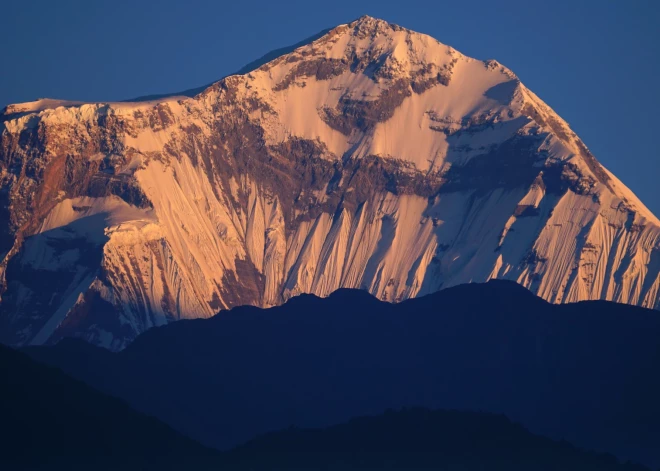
(373, 157)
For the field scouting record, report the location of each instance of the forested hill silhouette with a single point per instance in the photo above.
(419, 439)
(585, 372)
(52, 422)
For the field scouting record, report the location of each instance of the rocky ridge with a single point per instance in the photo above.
(373, 157)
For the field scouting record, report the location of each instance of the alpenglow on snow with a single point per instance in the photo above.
(373, 157)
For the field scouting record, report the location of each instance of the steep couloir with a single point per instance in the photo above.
(373, 157)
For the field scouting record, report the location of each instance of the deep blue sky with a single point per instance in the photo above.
(597, 63)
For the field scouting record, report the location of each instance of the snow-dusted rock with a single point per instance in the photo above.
(373, 157)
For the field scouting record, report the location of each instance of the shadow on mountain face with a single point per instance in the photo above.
(585, 372)
(269, 56)
(503, 92)
(78, 247)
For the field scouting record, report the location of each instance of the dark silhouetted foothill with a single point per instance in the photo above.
(584, 372)
(52, 422)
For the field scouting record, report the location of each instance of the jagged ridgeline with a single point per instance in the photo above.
(372, 157)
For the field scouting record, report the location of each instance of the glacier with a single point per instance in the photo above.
(372, 157)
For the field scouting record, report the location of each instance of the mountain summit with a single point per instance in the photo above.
(372, 157)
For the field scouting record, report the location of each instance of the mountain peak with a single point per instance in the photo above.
(368, 157)
(367, 23)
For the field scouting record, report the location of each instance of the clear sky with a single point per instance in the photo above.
(597, 63)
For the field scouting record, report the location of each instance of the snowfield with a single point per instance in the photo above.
(373, 157)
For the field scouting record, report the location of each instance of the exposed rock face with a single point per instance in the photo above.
(373, 157)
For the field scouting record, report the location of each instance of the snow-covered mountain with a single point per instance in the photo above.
(373, 157)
